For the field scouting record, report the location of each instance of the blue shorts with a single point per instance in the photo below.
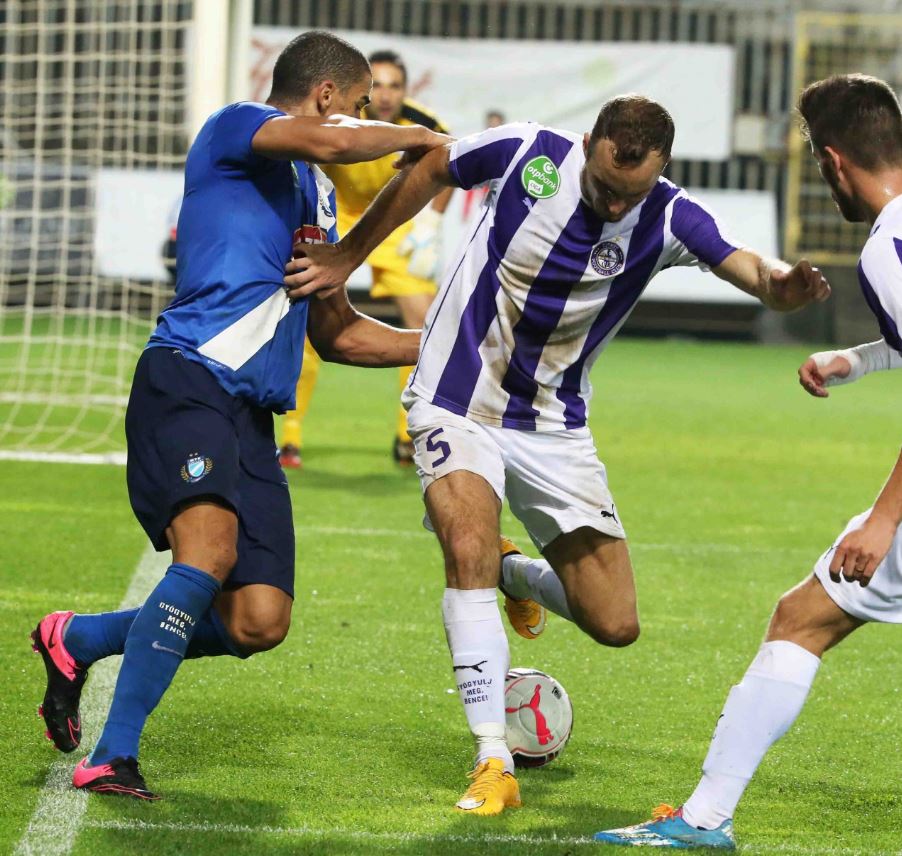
(189, 440)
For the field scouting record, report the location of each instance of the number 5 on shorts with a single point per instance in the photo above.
(442, 446)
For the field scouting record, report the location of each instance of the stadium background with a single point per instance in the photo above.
(99, 103)
(101, 96)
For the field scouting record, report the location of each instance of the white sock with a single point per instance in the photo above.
(481, 659)
(760, 709)
(534, 578)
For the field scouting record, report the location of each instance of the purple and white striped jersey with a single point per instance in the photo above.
(540, 284)
(880, 272)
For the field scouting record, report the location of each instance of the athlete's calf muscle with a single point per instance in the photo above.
(597, 576)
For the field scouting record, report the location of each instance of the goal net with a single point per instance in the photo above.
(92, 121)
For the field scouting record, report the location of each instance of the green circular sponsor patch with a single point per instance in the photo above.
(541, 180)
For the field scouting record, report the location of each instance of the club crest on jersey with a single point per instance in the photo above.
(540, 177)
(196, 467)
(607, 258)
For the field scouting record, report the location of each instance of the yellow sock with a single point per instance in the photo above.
(293, 421)
(403, 375)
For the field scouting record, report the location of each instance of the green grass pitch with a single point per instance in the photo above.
(348, 739)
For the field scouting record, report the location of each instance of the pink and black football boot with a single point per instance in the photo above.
(65, 679)
(120, 777)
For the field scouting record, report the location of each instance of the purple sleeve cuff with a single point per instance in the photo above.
(697, 230)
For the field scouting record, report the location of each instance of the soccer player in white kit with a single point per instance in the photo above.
(854, 125)
(572, 232)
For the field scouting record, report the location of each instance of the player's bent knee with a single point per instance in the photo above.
(254, 638)
(613, 634)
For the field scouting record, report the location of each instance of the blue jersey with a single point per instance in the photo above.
(240, 215)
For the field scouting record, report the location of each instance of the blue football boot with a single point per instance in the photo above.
(668, 829)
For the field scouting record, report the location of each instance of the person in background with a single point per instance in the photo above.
(404, 266)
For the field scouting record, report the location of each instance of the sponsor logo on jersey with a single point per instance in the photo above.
(309, 235)
(540, 177)
(196, 467)
(607, 258)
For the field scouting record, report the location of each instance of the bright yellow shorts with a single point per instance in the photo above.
(390, 276)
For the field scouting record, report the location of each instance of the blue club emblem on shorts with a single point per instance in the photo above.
(196, 467)
(607, 258)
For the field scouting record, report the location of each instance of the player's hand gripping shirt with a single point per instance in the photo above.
(541, 284)
(239, 218)
(880, 272)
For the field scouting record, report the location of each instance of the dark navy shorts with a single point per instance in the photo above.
(188, 439)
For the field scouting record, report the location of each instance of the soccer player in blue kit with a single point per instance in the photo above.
(203, 476)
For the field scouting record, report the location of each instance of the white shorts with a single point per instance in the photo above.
(881, 599)
(553, 481)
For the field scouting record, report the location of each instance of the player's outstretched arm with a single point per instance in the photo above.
(328, 266)
(341, 139)
(859, 553)
(832, 368)
(775, 283)
(341, 334)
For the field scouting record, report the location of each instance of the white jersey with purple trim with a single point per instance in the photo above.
(540, 284)
(880, 272)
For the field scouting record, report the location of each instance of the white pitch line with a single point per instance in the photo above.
(59, 814)
(336, 832)
(117, 458)
(369, 533)
(683, 547)
(438, 837)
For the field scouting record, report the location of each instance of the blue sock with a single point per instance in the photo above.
(154, 650)
(89, 638)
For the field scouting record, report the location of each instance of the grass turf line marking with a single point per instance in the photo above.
(59, 813)
(701, 547)
(117, 458)
(438, 837)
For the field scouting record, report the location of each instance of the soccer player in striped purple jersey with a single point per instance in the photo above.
(574, 229)
(854, 125)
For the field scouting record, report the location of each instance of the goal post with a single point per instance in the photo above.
(100, 101)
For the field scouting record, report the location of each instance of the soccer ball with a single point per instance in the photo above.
(539, 717)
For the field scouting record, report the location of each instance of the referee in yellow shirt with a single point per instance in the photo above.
(404, 266)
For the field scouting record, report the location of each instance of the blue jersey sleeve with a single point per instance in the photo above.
(233, 132)
(481, 157)
(701, 237)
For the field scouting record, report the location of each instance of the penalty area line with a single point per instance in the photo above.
(59, 814)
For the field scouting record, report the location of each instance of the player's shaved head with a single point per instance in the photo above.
(855, 114)
(635, 125)
(310, 59)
